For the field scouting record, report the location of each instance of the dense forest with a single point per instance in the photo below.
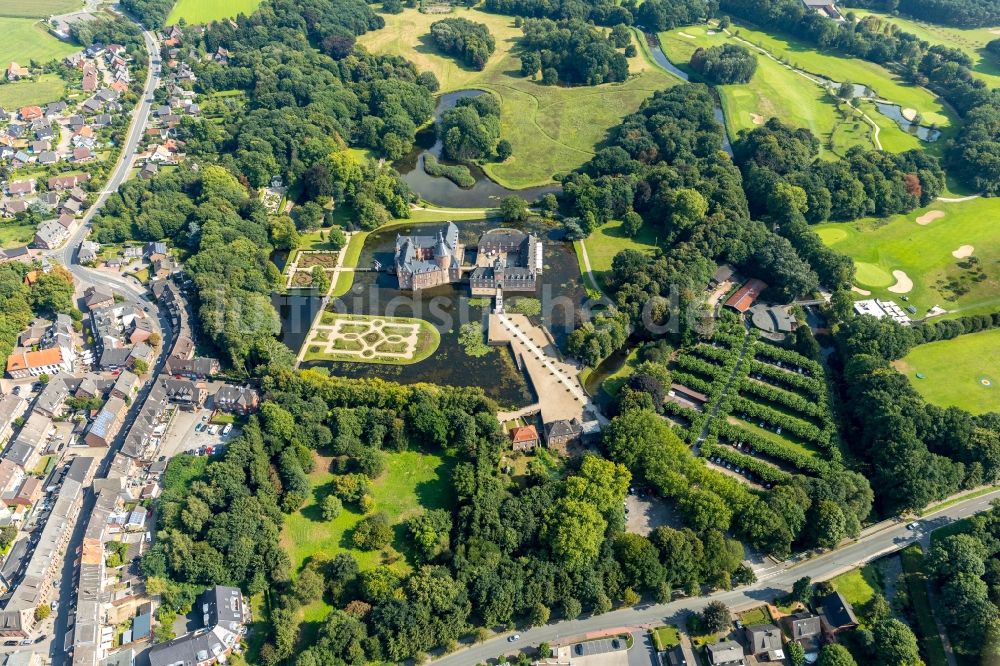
(973, 154)
(570, 52)
(657, 15)
(471, 130)
(960, 13)
(470, 41)
(725, 64)
(152, 13)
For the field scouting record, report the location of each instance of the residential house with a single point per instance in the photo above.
(725, 653)
(162, 266)
(194, 368)
(89, 79)
(48, 158)
(82, 154)
(29, 113)
(764, 642)
(16, 72)
(33, 335)
(11, 407)
(184, 392)
(20, 188)
(97, 298)
(675, 657)
(11, 477)
(107, 423)
(746, 295)
(55, 109)
(88, 251)
(126, 385)
(40, 146)
(50, 235)
(148, 170)
(805, 629)
(29, 493)
(239, 399)
(58, 183)
(52, 399)
(23, 363)
(524, 438)
(154, 247)
(562, 432)
(837, 613)
(225, 614)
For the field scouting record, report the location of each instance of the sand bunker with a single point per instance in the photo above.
(903, 283)
(910, 114)
(859, 290)
(995, 31)
(963, 252)
(684, 34)
(757, 119)
(710, 32)
(930, 216)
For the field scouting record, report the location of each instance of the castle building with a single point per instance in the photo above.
(508, 260)
(423, 262)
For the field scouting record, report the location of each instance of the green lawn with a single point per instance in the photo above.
(428, 340)
(839, 68)
(38, 8)
(986, 66)
(924, 253)
(42, 90)
(608, 240)
(203, 11)
(961, 372)
(931, 646)
(665, 637)
(412, 481)
(14, 234)
(774, 91)
(759, 615)
(26, 39)
(858, 586)
(553, 129)
(774, 437)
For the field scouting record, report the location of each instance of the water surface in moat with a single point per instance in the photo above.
(448, 307)
(486, 193)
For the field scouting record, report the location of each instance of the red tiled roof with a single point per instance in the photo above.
(746, 295)
(524, 434)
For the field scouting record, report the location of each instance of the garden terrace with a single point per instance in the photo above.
(783, 455)
(782, 422)
(788, 359)
(782, 378)
(756, 469)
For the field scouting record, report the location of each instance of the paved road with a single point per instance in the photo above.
(823, 567)
(66, 255)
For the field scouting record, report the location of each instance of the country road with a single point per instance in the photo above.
(769, 585)
(67, 253)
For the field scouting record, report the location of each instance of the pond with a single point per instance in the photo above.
(448, 307)
(486, 193)
(895, 112)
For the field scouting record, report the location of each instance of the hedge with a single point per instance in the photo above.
(766, 473)
(791, 380)
(789, 424)
(791, 357)
(793, 401)
(735, 434)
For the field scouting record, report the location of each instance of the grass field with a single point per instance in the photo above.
(961, 372)
(608, 240)
(203, 11)
(26, 39)
(986, 66)
(13, 233)
(775, 91)
(42, 90)
(411, 481)
(838, 68)
(38, 8)
(552, 129)
(924, 253)
(665, 637)
(858, 586)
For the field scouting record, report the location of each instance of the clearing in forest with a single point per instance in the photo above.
(203, 11)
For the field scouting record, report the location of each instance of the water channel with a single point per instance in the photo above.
(448, 307)
(486, 193)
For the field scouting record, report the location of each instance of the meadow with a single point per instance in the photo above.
(553, 129)
(926, 253)
(412, 482)
(777, 91)
(609, 239)
(961, 372)
(38, 8)
(26, 39)
(40, 90)
(204, 11)
(986, 66)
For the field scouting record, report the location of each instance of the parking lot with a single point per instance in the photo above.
(191, 431)
(600, 652)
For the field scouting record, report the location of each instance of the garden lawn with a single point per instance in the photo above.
(924, 253)
(840, 68)
(608, 240)
(552, 129)
(26, 39)
(801, 447)
(204, 11)
(666, 637)
(412, 482)
(858, 586)
(774, 91)
(986, 66)
(961, 372)
(44, 89)
(14, 234)
(38, 8)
